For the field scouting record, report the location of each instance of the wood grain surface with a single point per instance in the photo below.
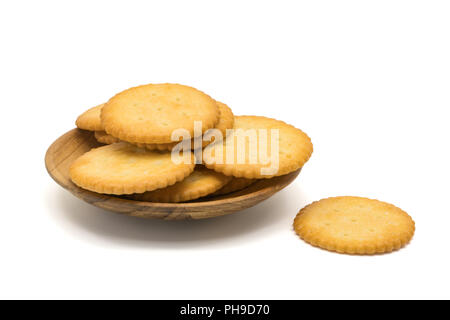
(76, 142)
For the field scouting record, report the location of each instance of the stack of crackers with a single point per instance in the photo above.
(144, 127)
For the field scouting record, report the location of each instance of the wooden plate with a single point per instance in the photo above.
(74, 143)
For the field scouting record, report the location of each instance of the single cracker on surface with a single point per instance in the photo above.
(354, 225)
(150, 113)
(294, 149)
(235, 184)
(200, 183)
(226, 121)
(105, 138)
(122, 168)
(90, 119)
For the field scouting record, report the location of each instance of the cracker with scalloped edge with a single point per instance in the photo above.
(259, 147)
(105, 138)
(354, 225)
(90, 119)
(150, 113)
(122, 168)
(200, 183)
(235, 184)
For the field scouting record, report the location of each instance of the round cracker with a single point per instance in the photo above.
(295, 149)
(105, 138)
(122, 168)
(354, 225)
(235, 184)
(90, 119)
(150, 113)
(200, 183)
(226, 121)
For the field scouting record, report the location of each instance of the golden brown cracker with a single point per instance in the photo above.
(226, 121)
(150, 113)
(90, 119)
(200, 183)
(122, 168)
(105, 138)
(294, 149)
(235, 184)
(354, 225)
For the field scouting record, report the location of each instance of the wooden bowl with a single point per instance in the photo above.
(74, 143)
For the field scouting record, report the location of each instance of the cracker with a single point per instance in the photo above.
(354, 225)
(105, 138)
(122, 168)
(295, 149)
(150, 113)
(226, 121)
(156, 146)
(90, 119)
(235, 184)
(200, 183)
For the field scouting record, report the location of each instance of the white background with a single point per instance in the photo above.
(367, 80)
